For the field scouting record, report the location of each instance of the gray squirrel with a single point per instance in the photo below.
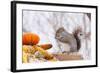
(72, 39)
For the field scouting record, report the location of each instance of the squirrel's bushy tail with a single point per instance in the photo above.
(75, 33)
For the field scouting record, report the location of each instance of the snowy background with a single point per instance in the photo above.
(46, 23)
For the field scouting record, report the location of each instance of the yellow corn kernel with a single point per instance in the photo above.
(24, 58)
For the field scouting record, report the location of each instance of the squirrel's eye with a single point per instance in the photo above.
(81, 34)
(58, 35)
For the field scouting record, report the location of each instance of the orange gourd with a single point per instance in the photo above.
(30, 39)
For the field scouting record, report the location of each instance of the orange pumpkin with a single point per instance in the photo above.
(30, 39)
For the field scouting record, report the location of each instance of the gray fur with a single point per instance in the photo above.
(63, 36)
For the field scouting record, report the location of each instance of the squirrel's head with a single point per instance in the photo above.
(59, 33)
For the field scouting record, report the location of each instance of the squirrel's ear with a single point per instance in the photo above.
(60, 29)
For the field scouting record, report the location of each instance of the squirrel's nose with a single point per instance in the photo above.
(56, 37)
